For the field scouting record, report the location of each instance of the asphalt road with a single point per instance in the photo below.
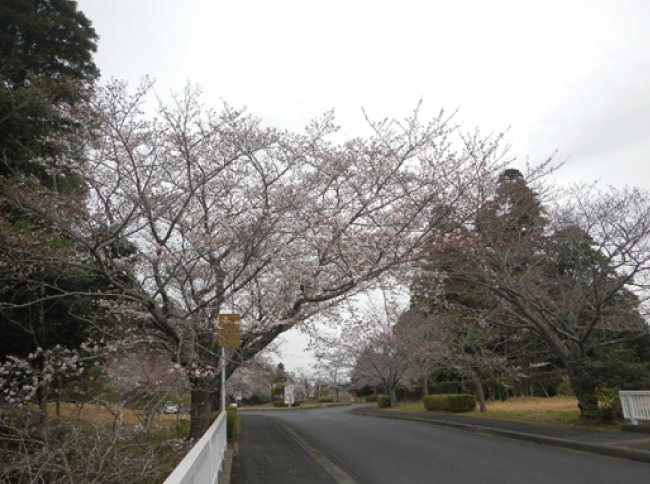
(384, 451)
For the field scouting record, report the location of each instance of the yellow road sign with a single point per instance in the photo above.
(229, 330)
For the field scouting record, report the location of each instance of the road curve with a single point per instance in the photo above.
(382, 451)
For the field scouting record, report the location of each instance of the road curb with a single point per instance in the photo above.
(621, 453)
(292, 409)
(332, 469)
(639, 429)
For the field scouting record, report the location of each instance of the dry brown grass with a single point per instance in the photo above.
(516, 404)
(559, 410)
(98, 413)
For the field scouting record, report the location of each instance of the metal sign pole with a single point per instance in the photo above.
(229, 336)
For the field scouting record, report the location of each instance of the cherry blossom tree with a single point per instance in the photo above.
(334, 366)
(369, 340)
(379, 363)
(424, 344)
(196, 213)
(475, 352)
(255, 378)
(455, 338)
(305, 383)
(145, 381)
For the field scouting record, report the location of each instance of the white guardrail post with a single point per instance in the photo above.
(203, 462)
(636, 405)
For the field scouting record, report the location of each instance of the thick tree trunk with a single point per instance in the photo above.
(59, 393)
(199, 407)
(479, 393)
(41, 395)
(425, 384)
(393, 398)
(583, 395)
(580, 389)
(43, 389)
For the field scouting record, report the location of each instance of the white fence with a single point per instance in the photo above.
(202, 464)
(636, 405)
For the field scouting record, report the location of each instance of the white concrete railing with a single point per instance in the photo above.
(636, 405)
(203, 462)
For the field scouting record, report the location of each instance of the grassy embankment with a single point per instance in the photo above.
(558, 410)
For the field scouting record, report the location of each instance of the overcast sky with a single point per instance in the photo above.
(571, 76)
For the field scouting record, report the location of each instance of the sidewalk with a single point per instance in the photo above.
(270, 453)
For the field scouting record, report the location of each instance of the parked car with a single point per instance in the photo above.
(170, 407)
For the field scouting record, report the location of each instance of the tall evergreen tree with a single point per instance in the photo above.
(513, 214)
(46, 69)
(46, 75)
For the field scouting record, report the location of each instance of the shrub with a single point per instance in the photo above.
(371, 398)
(608, 409)
(326, 400)
(232, 417)
(277, 391)
(383, 401)
(256, 400)
(279, 403)
(77, 451)
(232, 421)
(181, 429)
(564, 388)
(460, 402)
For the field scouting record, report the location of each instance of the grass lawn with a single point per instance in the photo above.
(559, 410)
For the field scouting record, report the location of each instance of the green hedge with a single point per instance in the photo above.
(296, 403)
(383, 401)
(232, 420)
(458, 402)
(371, 398)
(233, 423)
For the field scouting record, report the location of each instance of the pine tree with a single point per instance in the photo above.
(46, 70)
